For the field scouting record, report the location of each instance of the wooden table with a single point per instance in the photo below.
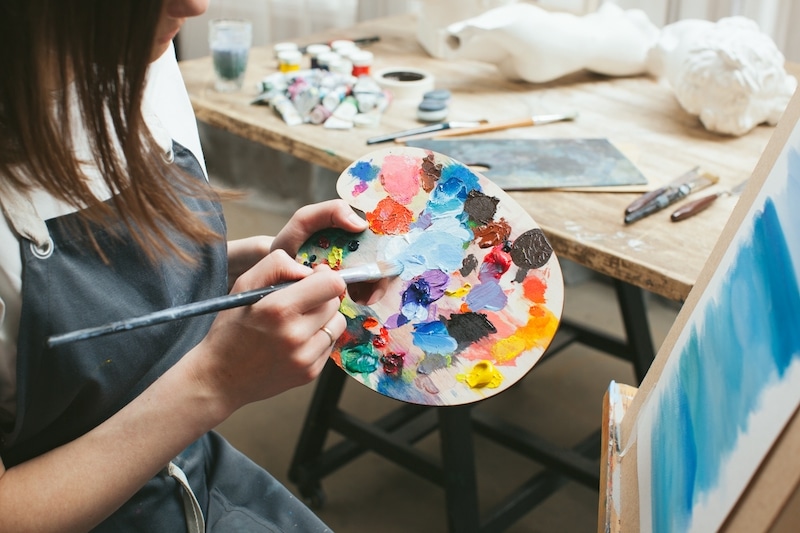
(638, 114)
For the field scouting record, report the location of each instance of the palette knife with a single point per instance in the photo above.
(692, 208)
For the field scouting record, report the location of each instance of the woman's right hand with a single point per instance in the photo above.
(255, 352)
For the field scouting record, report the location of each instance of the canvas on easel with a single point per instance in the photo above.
(719, 404)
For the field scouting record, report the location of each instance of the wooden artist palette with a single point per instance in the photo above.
(481, 292)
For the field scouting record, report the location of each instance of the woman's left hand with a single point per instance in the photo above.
(315, 217)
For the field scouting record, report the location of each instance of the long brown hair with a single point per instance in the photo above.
(102, 49)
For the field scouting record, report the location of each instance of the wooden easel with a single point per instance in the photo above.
(771, 498)
(771, 502)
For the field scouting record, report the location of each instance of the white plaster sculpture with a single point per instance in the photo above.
(529, 43)
(436, 15)
(729, 73)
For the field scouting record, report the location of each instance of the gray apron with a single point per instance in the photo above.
(66, 391)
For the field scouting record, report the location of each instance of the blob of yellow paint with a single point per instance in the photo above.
(483, 374)
(459, 292)
(335, 257)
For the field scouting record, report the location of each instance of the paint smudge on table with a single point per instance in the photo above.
(481, 293)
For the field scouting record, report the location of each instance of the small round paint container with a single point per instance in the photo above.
(289, 60)
(326, 58)
(314, 50)
(442, 95)
(362, 63)
(277, 48)
(431, 110)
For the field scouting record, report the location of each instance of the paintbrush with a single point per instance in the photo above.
(535, 120)
(357, 274)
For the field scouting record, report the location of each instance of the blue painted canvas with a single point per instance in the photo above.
(732, 380)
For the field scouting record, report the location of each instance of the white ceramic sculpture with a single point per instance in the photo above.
(529, 43)
(436, 15)
(729, 73)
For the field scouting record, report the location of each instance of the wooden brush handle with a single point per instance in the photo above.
(692, 208)
(494, 126)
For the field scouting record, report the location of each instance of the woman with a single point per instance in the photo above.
(113, 433)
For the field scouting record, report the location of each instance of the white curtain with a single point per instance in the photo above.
(280, 20)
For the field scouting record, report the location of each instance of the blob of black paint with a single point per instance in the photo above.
(470, 327)
(353, 245)
(480, 208)
(468, 265)
(531, 250)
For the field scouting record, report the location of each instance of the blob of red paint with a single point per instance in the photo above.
(499, 259)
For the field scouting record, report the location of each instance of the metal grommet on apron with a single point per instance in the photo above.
(43, 251)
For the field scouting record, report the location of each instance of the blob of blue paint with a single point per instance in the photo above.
(433, 338)
(364, 171)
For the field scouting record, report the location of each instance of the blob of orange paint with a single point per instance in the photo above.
(389, 218)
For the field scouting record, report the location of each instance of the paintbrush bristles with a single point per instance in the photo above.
(371, 271)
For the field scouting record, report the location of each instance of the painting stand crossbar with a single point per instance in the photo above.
(393, 436)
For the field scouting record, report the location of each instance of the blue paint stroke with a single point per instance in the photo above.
(433, 338)
(439, 247)
(364, 171)
(451, 191)
(748, 340)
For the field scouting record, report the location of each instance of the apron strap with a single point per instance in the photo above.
(24, 219)
(191, 507)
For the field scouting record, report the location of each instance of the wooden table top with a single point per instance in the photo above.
(639, 115)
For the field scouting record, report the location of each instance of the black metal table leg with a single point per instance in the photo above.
(637, 326)
(458, 463)
(324, 405)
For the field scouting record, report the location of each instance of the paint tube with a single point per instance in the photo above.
(347, 109)
(333, 98)
(285, 108)
(319, 114)
(368, 94)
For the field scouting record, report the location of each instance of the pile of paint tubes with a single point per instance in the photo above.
(337, 90)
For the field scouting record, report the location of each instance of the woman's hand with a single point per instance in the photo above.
(315, 217)
(255, 352)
